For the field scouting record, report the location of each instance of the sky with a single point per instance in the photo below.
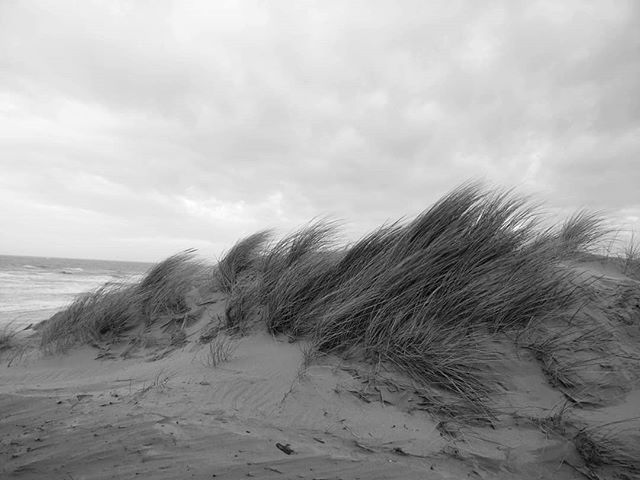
(134, 130)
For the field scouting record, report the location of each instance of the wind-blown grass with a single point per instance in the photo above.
(616, 444)
(114, 308)
(290, 296)
(631, 257)
(220, 350)
(423, 295)
(580, 233)
(241, 258)
(104, 313)
(284, 278)
(566, 350)
(163, 289)
(242, 303)
(7, 336)
(293, 271)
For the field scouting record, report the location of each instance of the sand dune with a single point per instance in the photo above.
(75, 416)
(308, 363)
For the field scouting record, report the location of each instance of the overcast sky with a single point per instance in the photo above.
(133, 130)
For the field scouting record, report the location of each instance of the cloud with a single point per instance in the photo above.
(184, 123)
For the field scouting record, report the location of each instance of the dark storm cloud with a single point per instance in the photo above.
(181, 124)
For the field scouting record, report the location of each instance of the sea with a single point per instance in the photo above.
(32, 289)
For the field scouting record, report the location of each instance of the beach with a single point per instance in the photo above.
(101, 413)
(465, 348)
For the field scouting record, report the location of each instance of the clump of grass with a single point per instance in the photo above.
(309, 355)
(106, 312)
(114, 308)
(243, 303)
(567, 351)
(164, 288)
(557, 422)
(240, 259)
(294, 273)
(220, 350)
(611, 445)
(468, 265)
(7, 337)
(631, 257)
(427, 295)
(238, 275)
(291, 299)
(581, 233)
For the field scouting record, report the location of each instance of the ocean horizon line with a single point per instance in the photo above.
(54, 257)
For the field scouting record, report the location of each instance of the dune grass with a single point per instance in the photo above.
(241, 258)
(220, 350)
(114, 308)
(581, 233)
(7, 337)
(106, 312)
(425, 296)
(616, 444)
(566, 350)
(293, 273)
(632, 257)
(164, 288)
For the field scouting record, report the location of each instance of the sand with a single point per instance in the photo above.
(113, 412)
